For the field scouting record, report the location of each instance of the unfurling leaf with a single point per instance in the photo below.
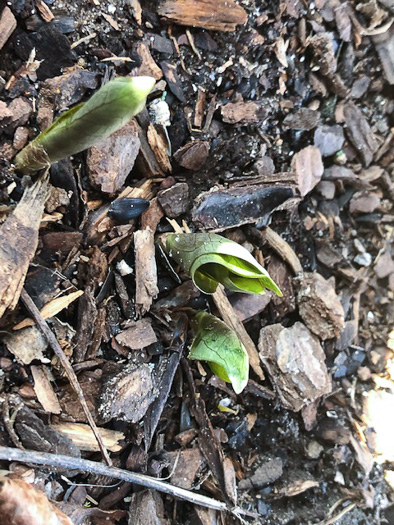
(80, 127)
(211, 259)
(217, 344)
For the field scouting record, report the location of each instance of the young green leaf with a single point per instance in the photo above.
(217, 344)
(108, 110)
(211, 259)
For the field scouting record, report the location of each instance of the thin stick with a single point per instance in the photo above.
(93, 467)
(279, 245)
(47, 332)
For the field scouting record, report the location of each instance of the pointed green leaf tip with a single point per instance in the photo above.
(217, 344)
(108, 110)
(211, 259)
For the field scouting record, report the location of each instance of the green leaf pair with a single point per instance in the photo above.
(108, 110)
(217, 344)
(211, 259)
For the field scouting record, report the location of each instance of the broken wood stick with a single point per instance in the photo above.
(69, 371)
(60, 461)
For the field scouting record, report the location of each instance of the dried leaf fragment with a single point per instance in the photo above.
(22, 504)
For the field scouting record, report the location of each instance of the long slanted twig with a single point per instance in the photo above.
(93, 467)
(43, 326)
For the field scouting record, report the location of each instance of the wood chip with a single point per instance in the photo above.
(27, 345)
(111, 160)
(360, 134)
(192, 155)
(158, 143)
(173, 80)
(82, 436)
(148, 66)
(139, 335)
(185, 466)
(19, 241)
(243, 113)
(319, 306)
(52, 308)
(127, 394)
(7, 25)
(44, 11)
(308, 166)
(146, 271)
(384, 45)
(217, 15)
(296, 364)
(146, 508)
(44, 389)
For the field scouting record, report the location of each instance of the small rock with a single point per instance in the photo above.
(364, 373)
(175, 200)
(314, 449)
(363, 259)
(320, 307)
(308, 166)
(304, 119)
(264, 166)
(21, 110)
(192, 155)
(21, 137)
(111, 160)
(329, 139)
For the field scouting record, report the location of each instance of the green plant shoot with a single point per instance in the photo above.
(217, 344)
(211, 259)
(108, 110)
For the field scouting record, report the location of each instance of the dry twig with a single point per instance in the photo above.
(43, 326)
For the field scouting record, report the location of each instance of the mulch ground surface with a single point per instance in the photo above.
(271, 123)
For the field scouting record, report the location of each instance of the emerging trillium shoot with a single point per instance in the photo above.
(217, 344)
(211, 259)
(108, 110)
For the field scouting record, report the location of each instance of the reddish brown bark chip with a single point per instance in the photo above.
(111, 160)
(218, 15)
(7, 25)
(295, 361)
(320, 307)
(22, 504)
(19, 240)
